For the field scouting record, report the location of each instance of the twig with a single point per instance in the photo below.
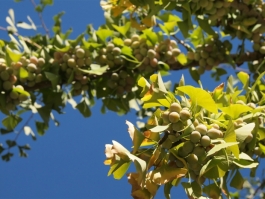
(41, 19)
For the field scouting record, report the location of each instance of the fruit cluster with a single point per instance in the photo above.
(211, 54)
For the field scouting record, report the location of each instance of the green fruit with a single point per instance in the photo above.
(112, 84)
(175, 107)
(7, 85)
(249, 21)
(22, 97)
(14, 95)
(204, 54)
(33, 60)
(127, 42)
(135, 37)
(176, 52)
(173, 117)
(178, 126)
(123, 74)
(88, 61)
(151, 53)
(192, 159)
(257, 151)
(195, 136)
(203, 3)
(252, 105)
(153, 62)
(110, 47)
(240, 102)
(190, 55)
(218, 4)
(210, 61)
(216, 126)
(31, 67)
(80, 53)
(5, 75)
(80, 62)
(262, 50)
(165, 117)
(41, 62)
(214, 133)
(179, 163)
(182, 153)
(114, 77)
(202, 62)
(184, 115)
(249, 138)
(116, 51)
(188, 147)
(199, 151)
(201, 70)
(122, 82)
(205, 141)
(31, 76)
(71, 62)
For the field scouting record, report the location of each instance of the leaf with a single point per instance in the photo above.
(165, 174)
(52, 78)
(121, 170)
(204, 24)
(230, 136)
(41, 127)
(136, 136)
(215, 168)
(122, 29)
(23, 73)
(103, 34)
(218, 147)
(182, 59)
(235, 110)
(95, 69)
(151, 36)
(245, 163)
(237, 181)
(183, 28)
(158, 129)
(13, 55)
(244, 131)
(11, 121)
(199, 97)
(244, 78)
(84, 109)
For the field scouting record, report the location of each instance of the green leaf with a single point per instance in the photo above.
(21, 91)
(13, 54)
(245, 163)
(52, 78)
(47, 2)
(151, 36)
(204, 24)
(244, 131)
(95, 69)
(183, 28)
(194, 74)
(45, 113)
(199, 97)
(158, 129)
(182, 59)
(84, 108)
(230, 136)
(237, 181)
(41, 127)
(197, 37)
(122, 29)
(235, 110)
(215, 168)
(11, 121)
(167, 188)
(121, 170)
(244, 78)
(23, 73)
(103, 34)
(218, 147)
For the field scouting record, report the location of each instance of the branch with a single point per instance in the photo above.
(41, 19)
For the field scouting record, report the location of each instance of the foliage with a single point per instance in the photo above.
(190, 133)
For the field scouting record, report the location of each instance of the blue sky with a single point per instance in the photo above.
(67, 162)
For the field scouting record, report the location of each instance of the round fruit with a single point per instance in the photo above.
(173, 117)
(151, 53)
(7, 85)
(31, 67)
(205, 141)
(249, 138)
(195, 136)
(165, 117)
(175, 107)
(179, 163)
(188, 147)
(199, 151)
(201, 128)
(33, 60)
(192, 159)
(22, 97)
(181, 152)
(4, 75)
(116, 51)
(178, 126)
(41, 62)
(184, 115)
(214, 133)
(13, 94)
(114, 77)
(71, 62)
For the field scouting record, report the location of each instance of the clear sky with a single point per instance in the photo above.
(67, 162)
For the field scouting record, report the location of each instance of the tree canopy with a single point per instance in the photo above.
(191, 137)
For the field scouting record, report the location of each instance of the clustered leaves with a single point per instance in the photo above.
(194, 135)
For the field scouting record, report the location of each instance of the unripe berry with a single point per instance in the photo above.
(184, 115)
(205, 141)
(31, 67)
(33, 60)
(13, 94)
(5, 75)
(195, 137)
(41, 62)
(71, 62)
(7, 85)
(116, 51)
(175, 107)
(188, 147)
(80, 53)
(173, 117)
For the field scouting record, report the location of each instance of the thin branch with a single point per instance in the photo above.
(41, 19)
